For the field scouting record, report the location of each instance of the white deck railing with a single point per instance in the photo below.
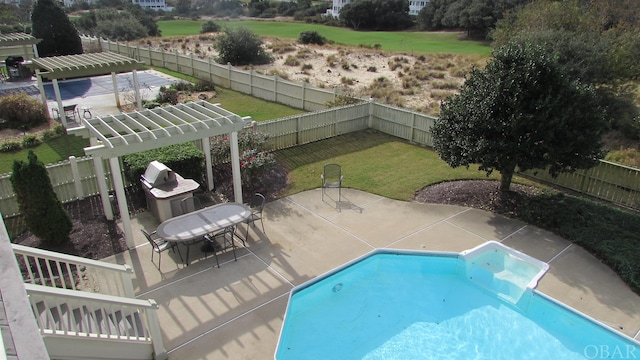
(66, 317)
(42, 267)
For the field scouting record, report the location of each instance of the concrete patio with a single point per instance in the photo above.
(236, 311)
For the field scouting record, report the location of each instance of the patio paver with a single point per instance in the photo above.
(236, 312)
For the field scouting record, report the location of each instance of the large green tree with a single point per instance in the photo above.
(51, 24)
(43, 213)
(595, 41)
(241, 47)
(520, 111)
(376, 15)
(477, 17)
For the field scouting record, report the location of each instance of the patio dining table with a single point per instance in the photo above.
(193, 226)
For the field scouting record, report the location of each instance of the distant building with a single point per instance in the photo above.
(151, 4)
(414, 7)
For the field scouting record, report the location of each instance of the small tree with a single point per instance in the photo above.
(43, 212)
(209, 26)
(241, 47)
(311, 37)
(51, 24)
(520, 111)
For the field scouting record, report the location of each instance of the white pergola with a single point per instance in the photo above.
(113, 136)
(13, 40)
(84, 65)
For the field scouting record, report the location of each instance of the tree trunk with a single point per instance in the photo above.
(505, 179)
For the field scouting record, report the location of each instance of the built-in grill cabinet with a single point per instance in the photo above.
(164, 189)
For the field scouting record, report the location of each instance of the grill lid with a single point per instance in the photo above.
(158, 173)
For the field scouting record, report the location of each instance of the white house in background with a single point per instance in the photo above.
(414, 7)
(151, 4)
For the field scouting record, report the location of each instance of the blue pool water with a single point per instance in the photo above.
(392, 306)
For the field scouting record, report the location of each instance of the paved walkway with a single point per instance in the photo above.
(236, 311)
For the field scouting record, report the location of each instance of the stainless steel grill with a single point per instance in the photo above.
(164, 189)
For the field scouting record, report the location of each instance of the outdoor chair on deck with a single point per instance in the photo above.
(159, 245)
(221, 241)
(332, 178)
(257, 205)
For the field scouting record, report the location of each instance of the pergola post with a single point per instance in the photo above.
(235, 167)
(43, 95)
(56, 90)
(102, 182)
(114, 81)
(206, 149)
(136, 88)
(118, 186)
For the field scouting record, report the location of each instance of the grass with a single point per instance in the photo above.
(393, 168)
(399, 168)
(242, 104)
(52, 151)
(413, 42)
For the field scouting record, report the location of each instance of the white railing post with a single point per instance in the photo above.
(153, 325)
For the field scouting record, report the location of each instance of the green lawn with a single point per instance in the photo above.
(52, 151)
(373, 162)
(396, 41)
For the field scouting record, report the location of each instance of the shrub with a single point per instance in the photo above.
(167, 95)
(306, 67)
(185, 159)
(311, 37)
(342, 100)
(42, 210)
(22, 112)
(291, 61)
(30, 140)
(10, 146)
(347, 81)
(331, 60)
(247, 139)
(253, 165)
(241, 47)
(628, 157)
(209, 26)
(372, 69)
(255, 161)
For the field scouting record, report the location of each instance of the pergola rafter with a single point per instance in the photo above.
(122, 134)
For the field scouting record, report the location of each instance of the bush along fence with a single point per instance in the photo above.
(76, 178)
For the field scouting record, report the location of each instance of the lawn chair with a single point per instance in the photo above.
(332, 178)
(221, 241)
(159, 246)
(257, 205)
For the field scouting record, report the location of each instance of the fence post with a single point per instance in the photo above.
(304, 93)
(371, 104)
(77, 181)
(193, 68)
(150, 56)
(229, 75)
(251, 82)
(275, 88)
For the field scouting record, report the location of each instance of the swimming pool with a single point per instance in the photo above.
(419, 305)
